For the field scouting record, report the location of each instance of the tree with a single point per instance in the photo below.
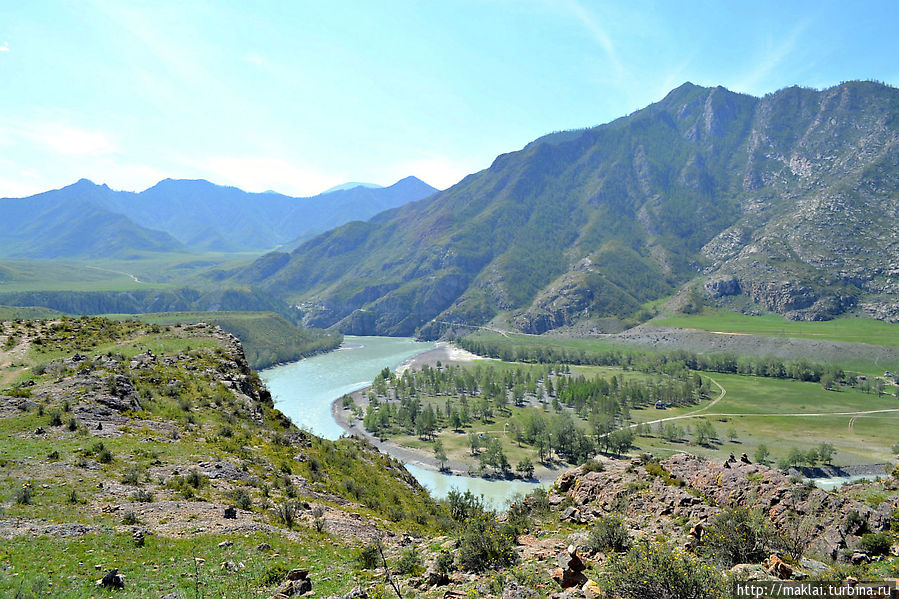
(525, 468)
(761, 454)
(825, 452)
(474, 441)
(440, 455)
(732, 435)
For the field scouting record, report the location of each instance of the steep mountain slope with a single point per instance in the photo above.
(88, 220)
(788, 199)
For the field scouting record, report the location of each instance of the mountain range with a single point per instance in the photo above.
(786, 203)
(85, 220)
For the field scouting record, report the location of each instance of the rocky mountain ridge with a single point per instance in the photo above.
(787, 201)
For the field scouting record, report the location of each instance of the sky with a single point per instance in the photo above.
(301, 95)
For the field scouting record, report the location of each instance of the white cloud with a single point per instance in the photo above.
(4, 47)
(254, 173)
(254, 58)
(73, 141)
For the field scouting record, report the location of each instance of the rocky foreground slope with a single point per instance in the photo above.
(146, 461)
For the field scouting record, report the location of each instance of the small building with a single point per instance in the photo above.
(888, 373)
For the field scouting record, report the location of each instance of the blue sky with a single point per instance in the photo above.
(300, 95)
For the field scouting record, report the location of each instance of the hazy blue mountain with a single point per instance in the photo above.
(788, 201)
(72, 222)
(89, 220)
(352, 185)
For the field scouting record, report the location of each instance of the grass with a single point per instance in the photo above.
(757, 409)
(68, 567)
(848, 329)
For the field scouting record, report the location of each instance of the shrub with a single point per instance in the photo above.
(876, 543)
(444, 562)
(142, 496)
(655, 572)
(287, 512)
(72, 424)
(609, 534)
(593, 466)
(130, 518)
(25, 494)
(132, 476)
(485, 545)
(368, 557)
(195, 479)
(105, 456)
(73, 497)
(737, 536)
(463, 506)
(274, 574)
(409, 563)
(55, 418)
(241, 499)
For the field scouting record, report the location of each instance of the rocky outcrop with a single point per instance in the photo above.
(695, 489)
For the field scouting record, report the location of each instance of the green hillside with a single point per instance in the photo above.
(765, 198)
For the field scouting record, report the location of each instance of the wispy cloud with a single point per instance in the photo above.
(254, 58)
(772, 56)
(596, 31)
(4, 47)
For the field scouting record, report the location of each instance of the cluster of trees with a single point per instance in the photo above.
(662, 362)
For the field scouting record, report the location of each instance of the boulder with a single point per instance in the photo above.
(295, 584)
(513, 590)
(777, 567)
(112, 580)
(434, 578)
(592, 590)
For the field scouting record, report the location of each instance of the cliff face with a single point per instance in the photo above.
(788, 200)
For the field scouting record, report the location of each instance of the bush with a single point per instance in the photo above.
(241, 499)
(876, 543)
(593, 466)
(130, 518)
(273, 575)
(105, 456)
(737, 536)
(142, 496)
(444, 562)
(25, 494)
(485, 545)
(609, 534)
(72, 424)
(463, 506)
(655, 572)
(368, 557)
(55, 418)
(288, 511)
(409, 563)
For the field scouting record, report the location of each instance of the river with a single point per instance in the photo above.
(304, 391)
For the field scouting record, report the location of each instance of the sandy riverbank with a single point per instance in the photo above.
(445, 354)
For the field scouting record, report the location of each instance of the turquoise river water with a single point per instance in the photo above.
(304, 391)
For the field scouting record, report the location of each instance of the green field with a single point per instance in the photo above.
(852, 330)
(779, 413)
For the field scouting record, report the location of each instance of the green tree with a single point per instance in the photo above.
(525, 468)
(825, 452)
(440, 454)
(761, 454)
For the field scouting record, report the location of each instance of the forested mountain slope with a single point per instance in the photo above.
(789, 200)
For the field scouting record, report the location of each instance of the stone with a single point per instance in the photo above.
(749, 572)
(859, 557)
(230, 513)
(570, 513)
(568, 579)
(263, 547)
(296, 583)
(433, 578)
(112, 580)
(592, 590)
(226, 543)
(513, 590)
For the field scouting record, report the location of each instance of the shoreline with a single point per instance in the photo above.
(445, 354)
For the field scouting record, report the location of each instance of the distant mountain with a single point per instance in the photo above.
(788, 202)
(352, 185)
(72, 223)
(181, 215)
